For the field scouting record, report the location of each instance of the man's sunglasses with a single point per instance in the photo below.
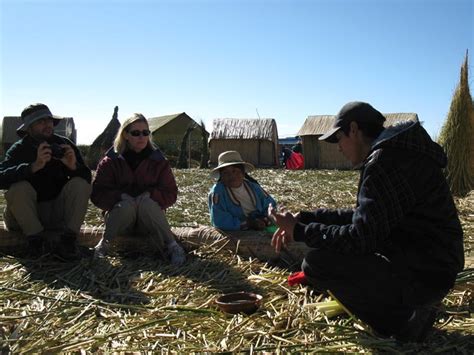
(137, 133)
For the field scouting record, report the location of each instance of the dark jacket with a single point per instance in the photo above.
(49, 181)
(114, 176)
(404, 210)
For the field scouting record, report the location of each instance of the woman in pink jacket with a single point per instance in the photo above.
(134, 184)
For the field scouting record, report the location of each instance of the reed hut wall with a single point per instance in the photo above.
(258, 152)
(10, 124)
(168, 132)
(255, 139)
(322, 155)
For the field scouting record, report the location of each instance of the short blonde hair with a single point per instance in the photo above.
(120, 143)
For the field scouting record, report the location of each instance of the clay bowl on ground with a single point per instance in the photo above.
(239, 302)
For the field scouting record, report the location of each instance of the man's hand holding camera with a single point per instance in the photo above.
(69, 157)
(43, 156)
(46, 152)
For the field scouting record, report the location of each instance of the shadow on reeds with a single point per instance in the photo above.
(100, 279)
(136, 279)
(438, 341)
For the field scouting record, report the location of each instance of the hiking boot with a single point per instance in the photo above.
(102, 249)
(419, 325)
(66, 249)
(176, 254)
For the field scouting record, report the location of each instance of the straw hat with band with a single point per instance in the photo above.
(228, 158)
(34, 113)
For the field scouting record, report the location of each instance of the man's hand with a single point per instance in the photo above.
(43, 156)
(69, 159)
(283, 219)
(281, 237)
(286, 224)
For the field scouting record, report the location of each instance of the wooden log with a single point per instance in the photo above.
(244, 243)
(253, 244)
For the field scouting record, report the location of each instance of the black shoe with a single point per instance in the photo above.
(418, 328)
(36, 245)
(66, 249)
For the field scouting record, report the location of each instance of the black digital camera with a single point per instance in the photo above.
(57, 151)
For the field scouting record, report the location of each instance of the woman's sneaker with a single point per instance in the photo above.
(176, 254)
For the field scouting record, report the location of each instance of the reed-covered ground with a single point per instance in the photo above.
(142, 304)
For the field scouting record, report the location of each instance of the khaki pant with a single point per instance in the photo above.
(145, 217)
(66, 212)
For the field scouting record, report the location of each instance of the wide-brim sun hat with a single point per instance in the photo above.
(228, 158)
(42, 112)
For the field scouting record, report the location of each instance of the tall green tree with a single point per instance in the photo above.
(457, 139)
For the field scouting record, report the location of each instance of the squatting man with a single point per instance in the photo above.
(393, 257)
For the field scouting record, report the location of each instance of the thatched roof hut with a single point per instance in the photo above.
(255, 139)
(322, 155)
(8, 134)
(168, 132)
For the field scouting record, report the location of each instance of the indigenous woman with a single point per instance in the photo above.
(134, 185)
(236, 201)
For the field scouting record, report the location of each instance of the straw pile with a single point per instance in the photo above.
(141, 304)
(457, 137)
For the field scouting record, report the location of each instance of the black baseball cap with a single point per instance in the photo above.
(352, 111)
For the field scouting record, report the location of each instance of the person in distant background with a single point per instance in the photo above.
(237, 201)
(393, 257)
(293, 159)
(134, 185)
(48, 183)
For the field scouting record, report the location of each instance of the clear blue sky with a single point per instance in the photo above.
(216, 59)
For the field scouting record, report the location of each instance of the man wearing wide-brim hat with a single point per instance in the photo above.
(237, 201)
(48, 183)
(394, 256)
